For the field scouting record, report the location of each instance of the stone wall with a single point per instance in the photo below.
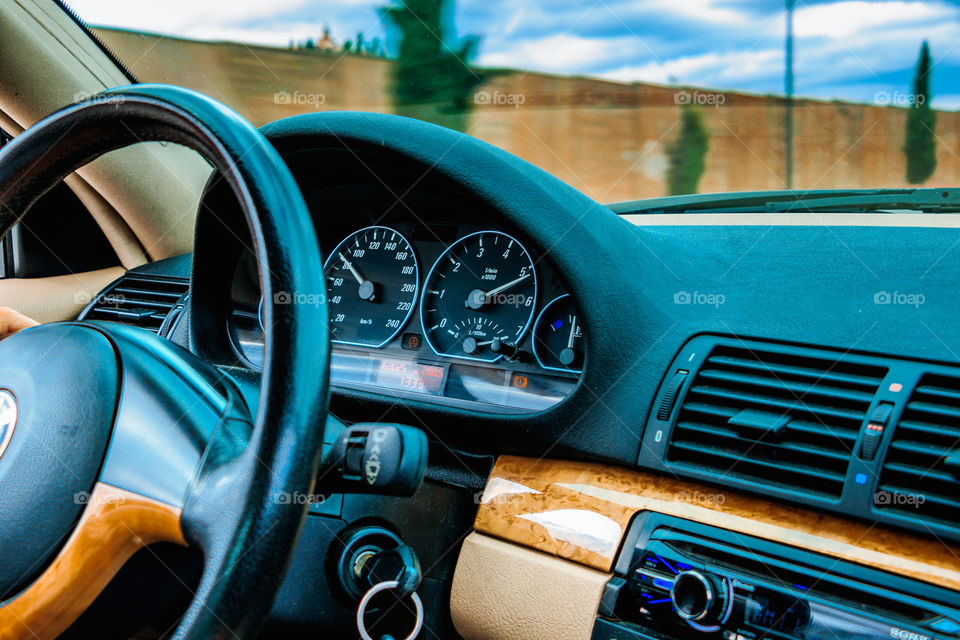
(605, 138)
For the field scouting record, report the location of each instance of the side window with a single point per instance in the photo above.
(58, 236)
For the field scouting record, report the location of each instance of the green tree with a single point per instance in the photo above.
(920, 146)
(687, 155)
(432, 76)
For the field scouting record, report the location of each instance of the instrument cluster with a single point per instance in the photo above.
(455, 313)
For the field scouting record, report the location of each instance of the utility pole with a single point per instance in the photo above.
(788, 102)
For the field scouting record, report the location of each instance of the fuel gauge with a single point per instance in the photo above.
(558, 336)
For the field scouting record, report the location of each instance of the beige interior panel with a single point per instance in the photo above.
(47, 62)
(501, 590)
(56, 298)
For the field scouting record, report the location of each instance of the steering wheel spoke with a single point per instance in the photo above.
(169, 405)
(115, 524)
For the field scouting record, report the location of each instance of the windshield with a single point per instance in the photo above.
(622, 99)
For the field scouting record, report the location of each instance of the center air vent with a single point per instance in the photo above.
(773, 416)
(138, 300)
(921, 472)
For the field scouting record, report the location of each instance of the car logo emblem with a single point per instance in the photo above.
(8, 418)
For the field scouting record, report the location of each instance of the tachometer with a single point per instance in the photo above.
(479, 297)
(372, 282)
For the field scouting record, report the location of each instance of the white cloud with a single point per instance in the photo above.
(176, 16)
(254, 21)
(561, 53)
(707, 69)
(712, 11)
(849, 18)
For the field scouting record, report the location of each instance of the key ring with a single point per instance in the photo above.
(383, 586)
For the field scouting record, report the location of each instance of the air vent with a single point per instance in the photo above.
(921, 472)
(138, 300)
(780, 418)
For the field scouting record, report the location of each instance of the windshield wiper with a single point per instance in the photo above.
(845, 201)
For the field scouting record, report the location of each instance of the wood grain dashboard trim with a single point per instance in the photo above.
(115, 524)
(580, 511)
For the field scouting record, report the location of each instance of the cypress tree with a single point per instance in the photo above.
(432, 77)
(920, 146)
(687, 155)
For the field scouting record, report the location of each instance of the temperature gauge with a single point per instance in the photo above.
(558, 336)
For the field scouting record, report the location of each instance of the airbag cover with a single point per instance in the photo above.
(65, 382)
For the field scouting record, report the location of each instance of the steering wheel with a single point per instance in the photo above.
(112, 438)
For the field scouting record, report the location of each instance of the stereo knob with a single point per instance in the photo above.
(694, 597)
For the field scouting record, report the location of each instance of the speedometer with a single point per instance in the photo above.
(372, 282)
(479, 297)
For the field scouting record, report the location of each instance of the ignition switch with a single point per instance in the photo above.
(370, 555)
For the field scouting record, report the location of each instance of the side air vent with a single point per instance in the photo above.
(773, 416)
(921, 472)
(138, 300)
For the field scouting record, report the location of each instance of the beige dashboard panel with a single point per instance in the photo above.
(56, 298)
(504, 591)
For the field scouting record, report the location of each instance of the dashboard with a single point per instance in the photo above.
(728, 391)
(453, 311)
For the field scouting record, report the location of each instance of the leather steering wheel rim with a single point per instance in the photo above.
(246, 553)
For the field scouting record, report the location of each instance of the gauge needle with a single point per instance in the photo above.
(366, 287)
(477, 298)
(353, 270)
(568, 355)
(506, 286)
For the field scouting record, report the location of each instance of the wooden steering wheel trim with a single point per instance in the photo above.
(115, 524)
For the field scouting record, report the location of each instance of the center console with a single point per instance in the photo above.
(676, 578)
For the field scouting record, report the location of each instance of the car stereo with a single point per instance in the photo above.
(680, 579)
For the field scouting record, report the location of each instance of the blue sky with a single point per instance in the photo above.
(857, 50)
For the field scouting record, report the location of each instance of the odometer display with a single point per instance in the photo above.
(405, 375)
(479, 297)
(372, 282)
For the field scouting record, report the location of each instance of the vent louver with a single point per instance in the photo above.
(787, 419)
(921, 471)
(139, 301)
